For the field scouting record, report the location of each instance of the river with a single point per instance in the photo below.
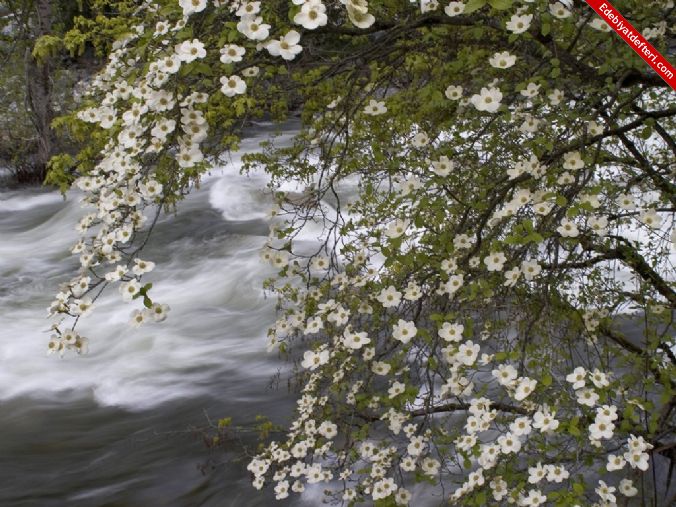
(113, 428)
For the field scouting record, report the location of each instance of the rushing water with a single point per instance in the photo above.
(113, 428)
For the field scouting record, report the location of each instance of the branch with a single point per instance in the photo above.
(630, 257)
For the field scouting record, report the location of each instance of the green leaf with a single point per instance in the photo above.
(546, 28)
(500, 5)
(473, 5)
(546, 380)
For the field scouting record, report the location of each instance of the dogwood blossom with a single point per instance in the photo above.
(232, 85)
(287, 46)
(519, 23)
(312, 15)
(488, 100)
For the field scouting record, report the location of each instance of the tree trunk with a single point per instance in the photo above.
(39, 92)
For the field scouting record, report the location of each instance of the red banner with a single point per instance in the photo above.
(637, 42)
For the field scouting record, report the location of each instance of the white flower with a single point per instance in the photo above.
(567, 229)
(443, 166)
(161, 27)
(488, 100)
(530, 269)
(626, 202)
(189, 156)
(505, 374)
(558, 10)
(349, 494)
(430, 466)
(556, 473)
(191, 6)
(462, 241)
(158, 312)
(355, 341)
(129, 289)
(600, 379)
(451, 286)
(499, 488)
(232, 85)
(396, 228)
(519, 23)
(232, 53)
(396, 389)
(530, 124)
(606, 492)
(380, 368)
(533, 499)
(503, 60)
(615, 463)
(282, 490)
(650, 218)
(375, 108)
(141, 267)
(598, 224)
(383, 488)
(253, 28)
(451, 332)
(536, 473)
(428, 5)
(138, 317)
(163, 128)
(545, 421)
(412, 292)
(189, 51)
(601, 430)
(404, 331)
(577, 377)
(531, 90)
(599, 24)
(81, 307)
(573, 160)
(248, 9)
(454, 9)
(402, 497)
(543, 208)
(287, 47)
(416, 445)
(512, 276)
(594, 128)
(312, 15)
(627, 488)
(313, 360)
(520, 426)
(81, 286)
(524, 388)
(389, 297)
(250, 71)
(495, 261)
(509, 443)
(555, 97)
(357, 11)
(453, 92)
(420, 139)
(468, 352)
(640, 460)
(587, 397)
